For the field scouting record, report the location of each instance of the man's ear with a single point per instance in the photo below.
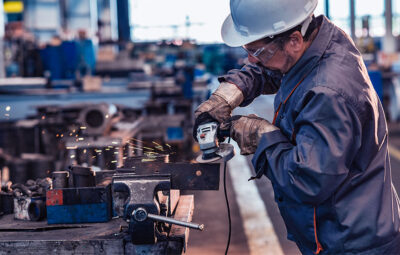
(296, 41)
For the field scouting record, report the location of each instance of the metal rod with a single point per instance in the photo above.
(176, 222)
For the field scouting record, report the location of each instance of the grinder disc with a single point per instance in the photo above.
(224, 153)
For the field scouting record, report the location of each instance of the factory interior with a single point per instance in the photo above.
(97, 112)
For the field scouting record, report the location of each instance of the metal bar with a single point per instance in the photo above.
(176, 222)
(184, 176)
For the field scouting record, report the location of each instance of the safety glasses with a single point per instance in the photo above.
(264, 53)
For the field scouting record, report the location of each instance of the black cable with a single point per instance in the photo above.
(228, 209)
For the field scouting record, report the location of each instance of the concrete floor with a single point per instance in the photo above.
(210, 207)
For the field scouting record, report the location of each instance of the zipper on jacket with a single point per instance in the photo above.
(319, 246)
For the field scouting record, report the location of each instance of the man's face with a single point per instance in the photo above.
(271, 55)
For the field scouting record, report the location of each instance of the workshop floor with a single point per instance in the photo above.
(210, 207)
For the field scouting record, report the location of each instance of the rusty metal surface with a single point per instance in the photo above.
(184, 176)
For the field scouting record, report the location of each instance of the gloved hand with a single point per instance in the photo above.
(219, 106)
(247, 131)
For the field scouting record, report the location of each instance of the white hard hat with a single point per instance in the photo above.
(251, 20)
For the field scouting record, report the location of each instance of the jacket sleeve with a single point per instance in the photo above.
(316, 162)
(253, 81)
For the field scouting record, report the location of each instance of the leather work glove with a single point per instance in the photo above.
(219, 106)
(247, 131)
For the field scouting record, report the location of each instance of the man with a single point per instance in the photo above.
(326, 152)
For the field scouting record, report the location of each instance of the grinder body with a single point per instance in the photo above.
(208, 136)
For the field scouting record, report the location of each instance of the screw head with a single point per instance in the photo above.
(140, 214)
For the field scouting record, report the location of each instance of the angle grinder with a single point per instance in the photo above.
(208, 136)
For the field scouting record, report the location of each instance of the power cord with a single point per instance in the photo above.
(228, 208)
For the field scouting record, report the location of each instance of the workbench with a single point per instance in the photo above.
(29, 237)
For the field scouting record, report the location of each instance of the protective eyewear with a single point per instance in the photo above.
(264, 53)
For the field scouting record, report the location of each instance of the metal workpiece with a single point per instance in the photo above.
(184, 176)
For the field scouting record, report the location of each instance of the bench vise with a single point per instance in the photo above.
(147, 196)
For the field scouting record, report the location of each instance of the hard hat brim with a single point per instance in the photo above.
(234, 38)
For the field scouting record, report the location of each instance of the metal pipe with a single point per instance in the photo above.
(176, 222)
(353, 19)
(327, 9)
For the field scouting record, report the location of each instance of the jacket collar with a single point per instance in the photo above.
(309, 59)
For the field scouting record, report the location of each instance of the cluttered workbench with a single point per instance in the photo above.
(136, 209)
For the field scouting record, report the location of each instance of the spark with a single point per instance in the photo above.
(72, 156)
(84, 151)
(107, 116)
(114, 142)
(62, 135)
(137, 140)
(156, 143)
(83, 128)
(93, 156)
(116, 152)
(70, 134)
(147, 148)
(76, 135)
(72, 147)
(57, 135)
(81, 138)
(169, 146)
(107, 149)
(73, 131)
(124, 158)
(8, 108)
(43, 117)
(147, 159)
(114, 161)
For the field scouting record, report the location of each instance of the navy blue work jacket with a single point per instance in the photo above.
(329, 162)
